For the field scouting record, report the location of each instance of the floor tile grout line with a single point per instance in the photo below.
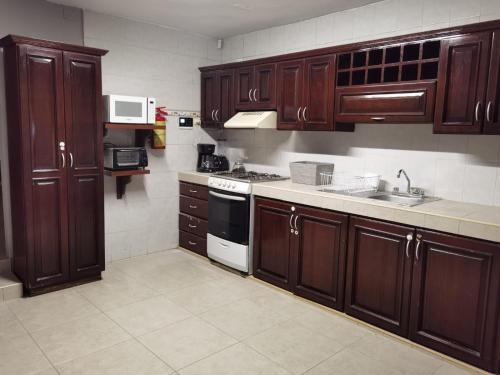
(208, 356)
(38, 346)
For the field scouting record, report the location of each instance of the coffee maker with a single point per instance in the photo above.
(208, 162)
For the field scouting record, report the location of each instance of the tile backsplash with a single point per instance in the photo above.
(457, 167)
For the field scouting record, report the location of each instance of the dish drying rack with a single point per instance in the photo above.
(348, 183)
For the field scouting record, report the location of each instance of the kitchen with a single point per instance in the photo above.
(146, 273)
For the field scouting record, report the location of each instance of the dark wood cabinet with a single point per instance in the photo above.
(492, 110)
(208, 98)
(255, 87)
(301, 249)
(290, 90)
(462, 84)
(399, 103)
(319, 250)
(217, 97)
(272, 242)
(55, 151)
(305, 94)
(83, 109)
(455, 291)
(193, 225)
(378, 281)
(318, 96)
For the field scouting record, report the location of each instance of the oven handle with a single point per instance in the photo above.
(229, 197)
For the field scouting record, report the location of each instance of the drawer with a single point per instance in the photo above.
(195, 191)
(193, 225)
(408, 102)
(193, 206)
(192, 242)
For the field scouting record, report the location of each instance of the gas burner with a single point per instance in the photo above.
(250, 176)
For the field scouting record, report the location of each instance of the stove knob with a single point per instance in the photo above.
(233, 186)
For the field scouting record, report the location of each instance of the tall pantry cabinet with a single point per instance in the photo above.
(54, 114)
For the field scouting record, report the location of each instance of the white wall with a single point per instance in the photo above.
(148, 60)
(38, 19)
(458, 167)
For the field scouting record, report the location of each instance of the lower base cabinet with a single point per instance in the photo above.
(455, 298)
(379, 273)
(439, 290)
(301, 249)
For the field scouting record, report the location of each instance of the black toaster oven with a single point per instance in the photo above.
(125, 158)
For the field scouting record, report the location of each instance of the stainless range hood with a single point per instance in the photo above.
(252, 120)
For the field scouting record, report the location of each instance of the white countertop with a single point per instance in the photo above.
(468, 219)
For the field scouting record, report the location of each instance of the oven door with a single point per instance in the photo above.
(229, 216)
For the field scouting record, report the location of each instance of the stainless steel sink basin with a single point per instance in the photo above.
(399, 199)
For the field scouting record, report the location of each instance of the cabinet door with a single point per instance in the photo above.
(462, 80)
(244, 77)
(387, 103)
(83, 108)
(319, 249)
(271, 245)
(455, 291)
(225, 93)
(318, 93)
(492, 114)
(290, 86)
(42, 98)
(379, 273)
(265, 86)
(209, 101)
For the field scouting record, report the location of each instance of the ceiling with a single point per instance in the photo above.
(216, 18)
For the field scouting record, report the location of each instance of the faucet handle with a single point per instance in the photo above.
(417, 191)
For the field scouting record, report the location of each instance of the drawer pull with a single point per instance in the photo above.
(378, 118)
(193, 207)
(192, 243)
(193, 191)
(192, 226)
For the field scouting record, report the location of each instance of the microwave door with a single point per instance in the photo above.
(128, 109)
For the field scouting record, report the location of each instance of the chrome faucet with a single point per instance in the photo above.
(408, 187)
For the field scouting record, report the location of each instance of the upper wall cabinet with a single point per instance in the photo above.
(462, 84)
(394, 83)
(217, 97)
(256, 87)
(305, 94)
(492, 114)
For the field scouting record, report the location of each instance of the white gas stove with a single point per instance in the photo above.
(230, 217)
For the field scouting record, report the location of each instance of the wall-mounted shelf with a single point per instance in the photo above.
(123, 177)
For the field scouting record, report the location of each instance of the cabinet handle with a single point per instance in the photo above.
(213, 114)
(488, 111)
(304, 114)
(417, 252)
(250, 95)
(295, 225)
(254, 95)
(291, 227)
(193, 191)
(192, 243)
(378, 118)
(193, 207)
(476, 112)
(63, 160)
(298, 113)
(71, 159)
(409, 238)
(192, 226)
(216, 114)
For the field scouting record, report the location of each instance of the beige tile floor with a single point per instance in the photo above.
(175, 313)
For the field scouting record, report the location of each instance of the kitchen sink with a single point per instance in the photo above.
(398, 199)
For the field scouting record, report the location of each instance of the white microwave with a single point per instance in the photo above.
(129, 109)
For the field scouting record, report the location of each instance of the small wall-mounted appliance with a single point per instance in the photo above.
(129, 109)
(116, 158)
